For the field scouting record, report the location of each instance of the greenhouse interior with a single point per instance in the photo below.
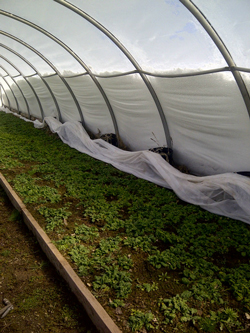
(125, 149)
(165, 83)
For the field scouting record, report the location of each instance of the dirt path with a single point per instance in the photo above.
(42, 301)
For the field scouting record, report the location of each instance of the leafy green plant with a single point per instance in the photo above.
(67, 242)
(117, 303)
(176, 308)
(9, 163)
(125, 262)
(208, 289)
(163, 276)
(239, 281)
(110, 244)
(54, 217)
(172, 258)
(79, 254)
(139, 319)
(113, 278)
(33, 193)
(145, 243)
(86, 233)
(224, 318)
(148, 287)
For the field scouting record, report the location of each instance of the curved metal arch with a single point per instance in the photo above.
(47, 61)
(78, 59)
(25, 99)
(6, 96)
(1, 95)
(27, 81)
(39, 74)
(222, 48)
(129, 56)
(17, 104)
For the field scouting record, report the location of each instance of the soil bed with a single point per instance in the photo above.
(42, 301)
(154, 263)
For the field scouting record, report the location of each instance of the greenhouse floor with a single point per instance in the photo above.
(42, 301)
(155, 263)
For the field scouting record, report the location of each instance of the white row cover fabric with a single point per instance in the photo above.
(225, 194)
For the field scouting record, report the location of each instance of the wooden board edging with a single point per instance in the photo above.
(96, 312)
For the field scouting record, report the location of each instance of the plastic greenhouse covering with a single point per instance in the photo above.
(171, 74)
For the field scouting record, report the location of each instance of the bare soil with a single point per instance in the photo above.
(42, 301)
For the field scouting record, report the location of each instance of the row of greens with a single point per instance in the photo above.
(154, 262)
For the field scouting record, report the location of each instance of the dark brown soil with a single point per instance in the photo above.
(42, 301)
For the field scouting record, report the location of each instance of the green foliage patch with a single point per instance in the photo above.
(172, 266)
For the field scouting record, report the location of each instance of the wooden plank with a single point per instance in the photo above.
(96, 312)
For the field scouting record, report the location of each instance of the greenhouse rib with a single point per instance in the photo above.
(5, 94)
(30, 85)
(17, 105)
(37, 73)
(222, 48)
(25, 99)
(79, 60)
(1, 96)
(129, 56)
(43, 58)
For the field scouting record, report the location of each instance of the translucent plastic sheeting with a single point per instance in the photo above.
(2, 72)
(138, 119)
(40, 65)
(157, 34)
(3, 96)
(96, 114)
(30, 97)
(10, 97)
(246, 77)
(226, 194)
(208, 122)
(23, 107)
(66, 103)
(231, 21)
(8, 67)
(44, 96)
(46, 46)
(88, 42)
(5, 100)
(21, 103)
(17, 61)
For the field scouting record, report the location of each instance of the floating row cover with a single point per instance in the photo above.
(162, 73)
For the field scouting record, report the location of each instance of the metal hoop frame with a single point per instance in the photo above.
(222, 48)
(30, 85)
(78, 59)
(16, 101)
(39, 74)
(129, 56)
(5, 95)
(236, 71)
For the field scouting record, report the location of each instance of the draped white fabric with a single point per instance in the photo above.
(225, 194)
